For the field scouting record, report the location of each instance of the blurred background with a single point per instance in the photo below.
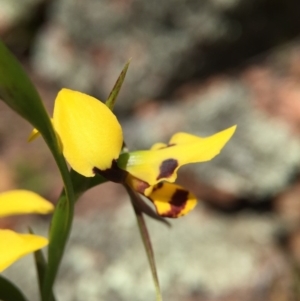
(197, 66)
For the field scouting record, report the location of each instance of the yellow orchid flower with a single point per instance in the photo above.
(149, 170)
(13, 245)
(91, 139)
(89, 133)
(162, 161)
(171, 200)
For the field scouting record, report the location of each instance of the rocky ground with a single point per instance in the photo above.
(198, 67)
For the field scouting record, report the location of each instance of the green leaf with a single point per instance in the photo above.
(146, 241)
(19, 93)
(41, 267)
(110, 102)
(9, 292)
(146, 209)
(59, 233)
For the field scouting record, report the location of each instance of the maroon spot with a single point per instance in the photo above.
(158, 186)
(178, 202)
(140, 186)
(168, 145)
(167, 168)
(113, 174)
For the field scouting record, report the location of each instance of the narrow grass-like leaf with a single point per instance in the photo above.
(9, 291)
(146, 209)
(19, 93)
(41, 267)
(146, 241)
(40, 264)
(110, 102)
(58, 236)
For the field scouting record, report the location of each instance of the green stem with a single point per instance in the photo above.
(59, 230)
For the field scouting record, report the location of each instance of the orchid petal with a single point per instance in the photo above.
(138, 185)
(162, 163)
(158, 145)
(13, 246)
(33, 135)
(90, 133)
(171, 200)
(23, 202)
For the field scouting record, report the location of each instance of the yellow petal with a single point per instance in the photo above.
(23, 202)
(172, 200)
(33, 135)
(13, 246)
(160, 164)
(90, 133)
(138, 185)
(184, 138)
(158, 145)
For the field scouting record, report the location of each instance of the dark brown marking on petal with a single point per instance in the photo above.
(141, 186)
(158, 186)
(113, 174)
(168, 145)
(177, 203)
(137, 184)
(167, 168)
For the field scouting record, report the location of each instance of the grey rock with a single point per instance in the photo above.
(14, 11)
(204, 254)
(85, 45)
(18, 23)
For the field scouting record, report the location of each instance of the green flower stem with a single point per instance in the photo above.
(18, 92)
(41, 265)
(59, 234)
(61, 221)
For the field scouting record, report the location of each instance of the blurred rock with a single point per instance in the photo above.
(274, 84)
(14, 11)
(85, 44)
(6, 177)
(19, 21)
(287, 205)
(258, 161)
(105, 259)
